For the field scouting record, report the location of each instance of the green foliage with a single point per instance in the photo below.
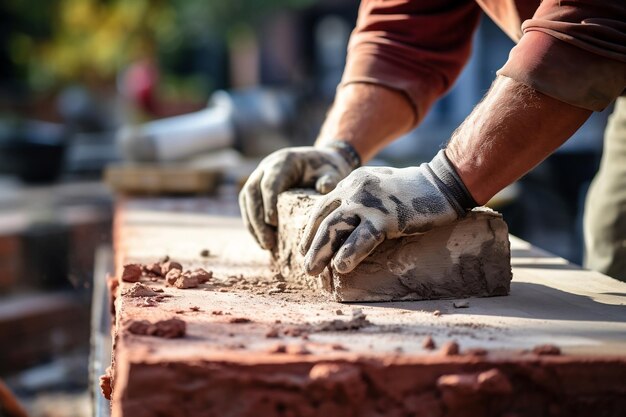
(69, 40)
(220, 15)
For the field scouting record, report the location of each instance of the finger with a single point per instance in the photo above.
(272, 184)
(265, 234)
(244, 216)
(361, 243)
(327, 182)
(332, 233)
(321, 210)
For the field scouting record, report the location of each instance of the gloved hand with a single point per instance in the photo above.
(307, 166)
(375, 203)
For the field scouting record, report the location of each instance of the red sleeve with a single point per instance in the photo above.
(574, 51)
(415, 47)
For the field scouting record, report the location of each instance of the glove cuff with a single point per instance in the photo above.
(347, 151)
(450, 183)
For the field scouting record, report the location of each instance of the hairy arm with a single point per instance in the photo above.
(368, 117)
(512, 130)
(508, 133)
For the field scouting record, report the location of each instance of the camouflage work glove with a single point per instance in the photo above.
(307, 166)
(375, 203)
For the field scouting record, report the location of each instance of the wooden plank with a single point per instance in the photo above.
(101, 342)
(233, 362)
(154, 179)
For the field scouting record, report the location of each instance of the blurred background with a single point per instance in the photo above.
(132, 91)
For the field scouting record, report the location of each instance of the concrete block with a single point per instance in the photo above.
(468, 258)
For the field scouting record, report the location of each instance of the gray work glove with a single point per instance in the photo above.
(307, 166)
(375, 203)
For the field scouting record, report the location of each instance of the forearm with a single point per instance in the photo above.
(512, 130)
(368, 117)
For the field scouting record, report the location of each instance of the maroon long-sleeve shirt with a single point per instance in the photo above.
(571, 50)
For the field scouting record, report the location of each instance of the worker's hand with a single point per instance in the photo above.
(373, 204)
(287, 168)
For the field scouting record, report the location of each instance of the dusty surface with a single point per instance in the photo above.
(140, 290)
(169, 328)
(469, 258)
(255, 345)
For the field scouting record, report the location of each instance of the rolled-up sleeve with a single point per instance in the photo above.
(415, 47)
(574, 51)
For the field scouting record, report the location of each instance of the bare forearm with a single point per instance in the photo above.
(368, 117)
(512, 130)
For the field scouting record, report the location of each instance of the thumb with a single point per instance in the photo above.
(327, 182)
